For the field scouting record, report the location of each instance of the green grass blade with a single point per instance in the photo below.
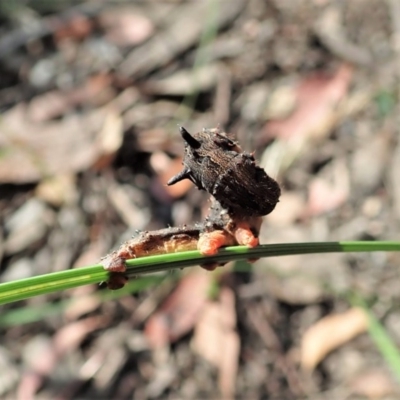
(53, 282)
(34, 313)
(385, 344)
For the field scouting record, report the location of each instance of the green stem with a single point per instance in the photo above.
(56, 281)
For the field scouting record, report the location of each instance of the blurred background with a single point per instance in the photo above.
(91, 94)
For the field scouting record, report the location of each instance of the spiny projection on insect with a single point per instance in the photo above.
(242, 191)
(217, 164)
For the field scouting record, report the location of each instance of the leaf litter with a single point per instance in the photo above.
(90, 102)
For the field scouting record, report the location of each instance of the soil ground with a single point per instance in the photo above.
(90, 97)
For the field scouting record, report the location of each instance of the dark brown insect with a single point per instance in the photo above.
(215, 163)
(242, 191)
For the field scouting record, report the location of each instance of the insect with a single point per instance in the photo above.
(242, 193)
(217, 164)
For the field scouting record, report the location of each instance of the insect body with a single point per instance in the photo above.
(242, 192)
(215, 163)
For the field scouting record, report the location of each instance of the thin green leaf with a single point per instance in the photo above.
(53, 282)
(29, 314)
(384, 343)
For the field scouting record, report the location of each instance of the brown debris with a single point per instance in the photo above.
(330, 333)
(90, 99)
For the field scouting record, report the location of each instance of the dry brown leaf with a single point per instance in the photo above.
(369, 162)
(109, 139)
(184, 82)
(125, 27)
(317, 98)
(81, 305)
(180, 311)
(373, 384)
(294, 205)
(121, 197)
(330, 333)
(296, 289)
(31, 151)
(57, 190)
(39, 358)
(207, 334)
(48, 105)
(39, 355)
(71, 335)
(96, 91)
(217, 341)
(27, 225)
(49, 352)
(324, 195)
(160, 49)
(281, 103)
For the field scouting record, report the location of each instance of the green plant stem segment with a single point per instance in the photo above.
(386, 346)
(57, 281)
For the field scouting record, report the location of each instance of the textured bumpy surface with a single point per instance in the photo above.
(216, 231)
(217, 164)
(242, 193)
